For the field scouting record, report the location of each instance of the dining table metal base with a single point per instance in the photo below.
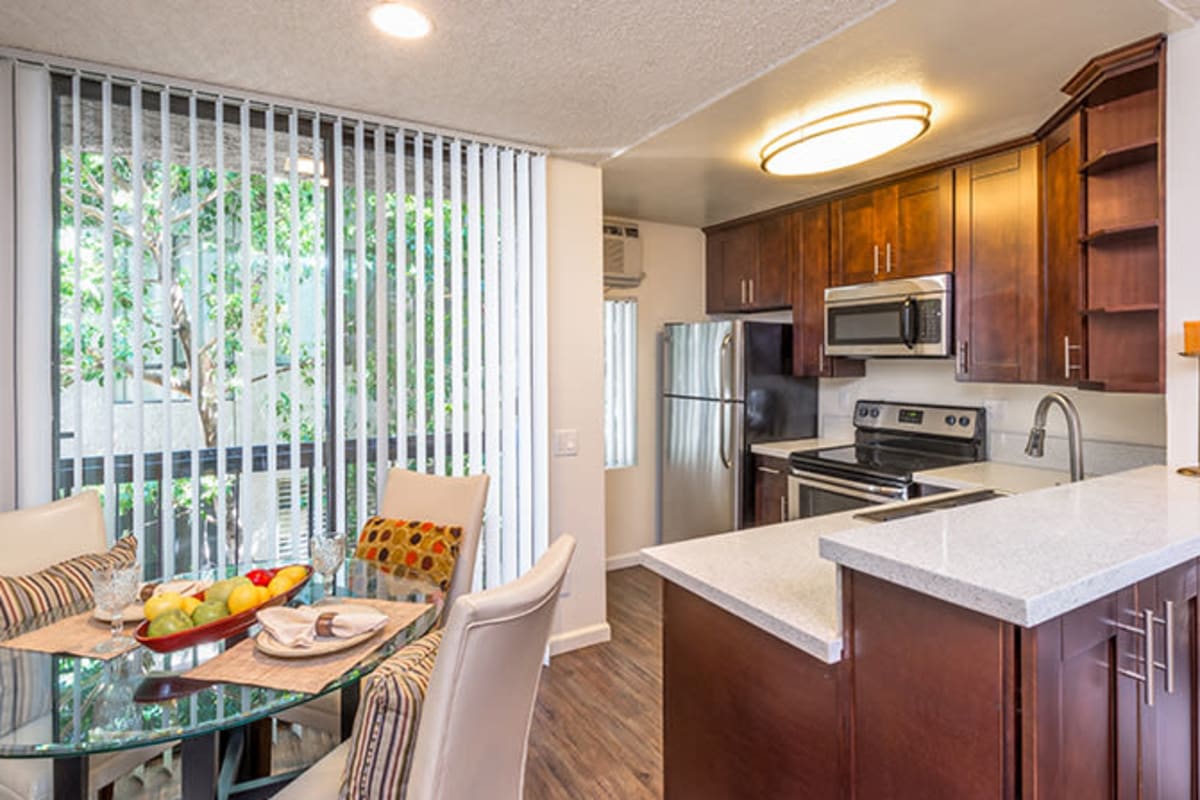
(71, 778)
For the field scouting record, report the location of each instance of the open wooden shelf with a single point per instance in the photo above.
(1108, 160)
(1131, 308)
(1120, 232)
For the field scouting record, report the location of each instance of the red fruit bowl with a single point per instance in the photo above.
(219, 629)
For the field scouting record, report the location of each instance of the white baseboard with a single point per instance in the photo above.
(580, 637)
(623, 561)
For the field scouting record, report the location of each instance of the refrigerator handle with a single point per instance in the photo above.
(724, 400)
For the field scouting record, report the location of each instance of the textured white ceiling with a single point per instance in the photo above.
(991, 68)
(582, 77)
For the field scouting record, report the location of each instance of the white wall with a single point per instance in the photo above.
(576, 365)
(1183, 240)
(1120, 431)
(672, 291)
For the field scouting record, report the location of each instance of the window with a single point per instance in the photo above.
(338, 297)
(620, 383)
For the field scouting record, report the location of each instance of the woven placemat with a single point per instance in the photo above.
(76, 634)
(247, 665)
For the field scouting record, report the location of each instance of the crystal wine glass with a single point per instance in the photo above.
(113, 589)
(328, 550)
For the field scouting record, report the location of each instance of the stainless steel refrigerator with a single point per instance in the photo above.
(725, 386)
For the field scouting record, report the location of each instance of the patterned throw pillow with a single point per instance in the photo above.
(404, 546)
(385, 728)
(24, 598)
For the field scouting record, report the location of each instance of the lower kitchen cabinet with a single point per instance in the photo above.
(951, 703)
(744, 713)
(770, 490)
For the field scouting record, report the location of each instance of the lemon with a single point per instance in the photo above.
(243, 598)
(159, 604)
(264, 594)
(294, 573)
(189, 605)
(280, 584)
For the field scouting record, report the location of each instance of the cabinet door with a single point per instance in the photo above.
(1080, 720)
(856, 256)
(810, 275)
(1169, 736)
(1063, 351)
(770, 286)
(996, 268)
(923, 243)
(732, 255)
(770, 490)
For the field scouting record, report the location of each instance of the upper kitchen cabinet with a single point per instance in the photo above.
(895, 231)
(997, 286)
(1122, 210)
(810, 275)
(748, 266)
(1062, 358)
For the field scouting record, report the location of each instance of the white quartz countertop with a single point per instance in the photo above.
(1029, 558)
(785, 448)
(772, 577)
(1011, 478)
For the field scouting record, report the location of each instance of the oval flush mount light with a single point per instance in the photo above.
(845, 138)
(401, 21)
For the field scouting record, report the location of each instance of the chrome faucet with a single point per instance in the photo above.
(1035, 447)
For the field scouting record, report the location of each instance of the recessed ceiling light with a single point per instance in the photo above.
(845, 138)
(404, 22)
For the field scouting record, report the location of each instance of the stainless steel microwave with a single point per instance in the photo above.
(908, 317)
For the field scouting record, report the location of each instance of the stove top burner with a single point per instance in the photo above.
(892, 441)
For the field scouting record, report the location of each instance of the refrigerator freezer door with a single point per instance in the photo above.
(703, 359)
(702, 468)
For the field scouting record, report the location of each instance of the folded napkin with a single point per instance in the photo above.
(300, 627)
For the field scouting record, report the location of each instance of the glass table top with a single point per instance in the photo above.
(57, 705)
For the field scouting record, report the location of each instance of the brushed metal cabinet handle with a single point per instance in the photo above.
(1067, 365)
(889, 257)
(743, 291)
(962, 358)
(752, 291)
(1169, 614)
(783, 510)
(876, 259)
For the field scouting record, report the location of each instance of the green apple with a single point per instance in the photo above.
(209, 611)
(222, 589)
(169, 622)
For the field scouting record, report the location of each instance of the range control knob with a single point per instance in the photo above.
(874, 412)
(964, 421)
(950, 420)
(862, 411)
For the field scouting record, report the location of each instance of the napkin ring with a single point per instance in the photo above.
(325, 623)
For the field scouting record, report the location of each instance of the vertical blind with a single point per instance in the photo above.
(620, 383)
(260, 309)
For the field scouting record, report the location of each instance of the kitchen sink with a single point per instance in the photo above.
(890, 513)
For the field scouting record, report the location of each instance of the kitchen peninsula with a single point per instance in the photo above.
(1038, 645)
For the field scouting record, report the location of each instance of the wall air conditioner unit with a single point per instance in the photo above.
(622, 254)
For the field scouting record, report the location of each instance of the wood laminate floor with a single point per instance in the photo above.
(597, 728)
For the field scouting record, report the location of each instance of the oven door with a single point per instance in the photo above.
(812, 495)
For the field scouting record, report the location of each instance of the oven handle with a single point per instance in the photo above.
(863, 491)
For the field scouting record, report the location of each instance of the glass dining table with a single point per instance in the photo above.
(69, 708)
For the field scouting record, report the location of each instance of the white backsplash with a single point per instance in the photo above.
(1120, 431)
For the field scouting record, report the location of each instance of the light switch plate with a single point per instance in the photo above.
(566, 442)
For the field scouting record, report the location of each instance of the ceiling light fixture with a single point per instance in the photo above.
(845, 138)
(401, 21)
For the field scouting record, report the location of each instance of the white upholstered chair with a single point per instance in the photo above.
(32, 539)
(473, 734)
(429, 498)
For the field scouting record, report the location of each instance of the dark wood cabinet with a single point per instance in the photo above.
(770, 490)
(900, 230)
(749, 266)
(810, 276)
(1062, 351)
(1062, 709)
(731, 258)
(744, 713)
(997, 277)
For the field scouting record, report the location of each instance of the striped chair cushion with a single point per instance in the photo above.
(66, 585)
(385, 728)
